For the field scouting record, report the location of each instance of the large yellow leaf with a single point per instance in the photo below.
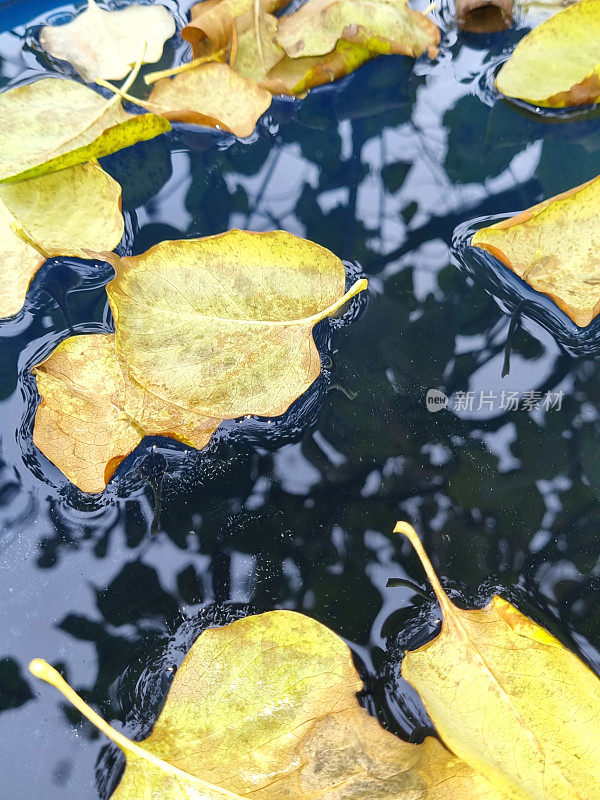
(266, 708)
(555, 247)
(223, 325)
(106, 44)
(509, 699)
(558, 63)
(211, 94)
(382, 26)
(52, 124)
(91, 415)
(64, 213)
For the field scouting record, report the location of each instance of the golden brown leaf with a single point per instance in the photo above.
(65, 213)
(223, 325)
(509, 699)
(106, 44)
(553, 246)
(266, 708)
(382, 26)
(557, 64)
(211, 94)
(91, 415)
(52, 124)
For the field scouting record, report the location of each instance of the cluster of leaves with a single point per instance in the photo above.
(243, 53)
(287, 722)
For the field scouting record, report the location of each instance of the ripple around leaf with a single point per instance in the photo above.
(510, 292)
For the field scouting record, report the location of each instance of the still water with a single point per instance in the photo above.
(391, 169)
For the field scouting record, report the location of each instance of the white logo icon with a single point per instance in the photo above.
(435, 400)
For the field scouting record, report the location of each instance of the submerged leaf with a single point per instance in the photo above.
(223, 325)
(52, 124)
(558, 63)
(91, 415)
(257, 54)
(382, 26)
(215, 20)
(509, 699)
(266, 708)
(554, 247)
(211, 94)
(65, 213)
(106, 44)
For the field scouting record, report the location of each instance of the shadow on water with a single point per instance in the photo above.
(297, 512)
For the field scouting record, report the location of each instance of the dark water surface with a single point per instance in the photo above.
(384, 169)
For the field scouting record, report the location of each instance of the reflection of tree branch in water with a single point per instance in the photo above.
(263, 187)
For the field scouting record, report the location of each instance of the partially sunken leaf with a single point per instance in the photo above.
(215, 20)
(223, 325)
(52, 124)
(558, 63)
(91, 415)
(106, 44)
(266, 708)
(383, 26)
(509, 699)
(211, 94)
(296, 76)
(553, 246)
(65, 213)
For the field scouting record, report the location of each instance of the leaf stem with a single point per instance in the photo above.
(446, 604)
(18, 229)
(42, 670)
(355, 289)
(152, 77)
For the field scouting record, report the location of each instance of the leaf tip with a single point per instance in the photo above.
(42, 670)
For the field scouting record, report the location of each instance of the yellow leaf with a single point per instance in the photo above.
(65, 213)
(106, 44)
(266, 708)
(382, 26)
(211, 94)
(91, 415)
(558, 63)
(52, 124)
(215, 20)
(509, 699)
(223, 325)
(553, 247)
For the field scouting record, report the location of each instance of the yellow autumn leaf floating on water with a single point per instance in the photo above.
(507, 698)
(287, 725)
(223, 325)
(52, 124)
(92, 415)
(558, 63)
(554, 246)
(105, 44)
(206, 330)
(64, 213)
